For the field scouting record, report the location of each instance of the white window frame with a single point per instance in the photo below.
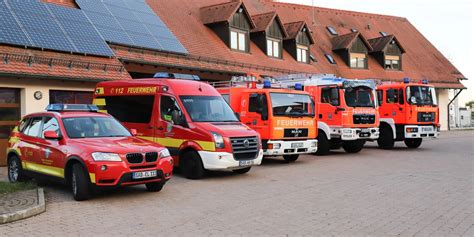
(358, 58)
(302, 53)
(238, 40)
(273, 48)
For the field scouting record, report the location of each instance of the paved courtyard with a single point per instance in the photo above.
(423, 192)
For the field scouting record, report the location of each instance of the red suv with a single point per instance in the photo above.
(79, 146)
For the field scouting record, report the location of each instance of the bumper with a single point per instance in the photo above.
(352, 134)
(290, 147)
(421, 131)
(226, 161)
(120, 173)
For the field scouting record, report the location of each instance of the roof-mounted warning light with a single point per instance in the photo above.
(72, 107)
(406, 80)
(424, 81)
(267, 84)
(176, 76)
(298, 86)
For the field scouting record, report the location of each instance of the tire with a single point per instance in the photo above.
(386, 140)
(413, 143)
(242, 171)
(353, 146)
(154, 187)
(324, 145)
(80, 183)
(15, 170)
(290, 158)
(191, 165)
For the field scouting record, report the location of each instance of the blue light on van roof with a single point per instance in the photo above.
(299, 86)
(72, 107)
(406, 80)
(176, 76)
(424, 81)
(267, 84)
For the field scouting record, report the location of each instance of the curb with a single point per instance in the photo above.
(29, 212)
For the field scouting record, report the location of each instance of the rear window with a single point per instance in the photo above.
(130, 109)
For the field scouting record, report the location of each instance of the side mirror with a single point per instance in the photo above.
(51, 135)
(133, 132)
(413, 100)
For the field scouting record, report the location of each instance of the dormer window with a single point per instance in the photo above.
(388, 52)
(353, 48)
(231, 22)
(268, 34)
(299, 41)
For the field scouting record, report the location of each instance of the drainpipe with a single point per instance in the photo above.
(449, 104)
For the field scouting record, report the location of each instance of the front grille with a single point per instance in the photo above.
(151, 156)
(364, 118)
(296, 132)
(134, 158)
(244, 148)
(426, 117)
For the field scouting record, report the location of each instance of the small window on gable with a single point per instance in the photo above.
(358, 60)
(273, 48)
(331, 30)
(302, 54)
(238, 40)
(330, 58)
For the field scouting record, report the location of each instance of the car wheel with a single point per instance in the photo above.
(242, 171)
(15, 170)
(154, 187)
(290, 158)
(191, 165)
(413, 142)
(385, 140)
(353, 146)
(79, 183)
(323, 144)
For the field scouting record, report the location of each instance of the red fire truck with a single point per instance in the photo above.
(284, 118)
(187, 116)
(409, 112)
(347, 110)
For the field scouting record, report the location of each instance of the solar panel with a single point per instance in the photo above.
(132, 23)
(36, 24)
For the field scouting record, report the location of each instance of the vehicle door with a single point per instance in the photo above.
(395, 105)
(49, 150)
(329, 108)
(255, 106)
(29, 142)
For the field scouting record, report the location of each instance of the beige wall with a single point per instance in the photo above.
(443, 100)
(29, 86)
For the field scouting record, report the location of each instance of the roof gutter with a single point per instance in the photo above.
(44, 76)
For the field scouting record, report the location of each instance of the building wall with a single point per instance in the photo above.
(443, 100)
(464, 117)
(29, 86)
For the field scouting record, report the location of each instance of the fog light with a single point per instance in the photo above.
(167, 175)
(314, 144)
(276, 146)
(103, 167)
(171, 161)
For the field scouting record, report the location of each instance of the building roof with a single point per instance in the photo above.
(345, 41)
(222, 12)
(294, 28)
(379, 44)
(264, 21)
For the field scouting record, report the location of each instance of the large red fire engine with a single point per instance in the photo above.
(347, 110)
(409, 112)
(284, 118)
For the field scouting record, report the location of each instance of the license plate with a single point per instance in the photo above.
(426, 129)
(364, 134)
(245, 162)
(144, 174)
(297, 145)
(365, 130)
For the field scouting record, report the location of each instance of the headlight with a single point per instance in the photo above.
(164, 153)
(314, 144)
(102, 156)
(347, 131)
(219, 140)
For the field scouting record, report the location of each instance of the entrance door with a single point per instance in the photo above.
(10, 113)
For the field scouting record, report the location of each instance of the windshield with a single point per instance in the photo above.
(89, 127)
(287, 104)
(421, 95)
(359, 97)
(208, 109)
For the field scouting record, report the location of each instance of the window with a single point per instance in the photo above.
(331, 30)
(167, 106)
(10, 110)
(287, 104)
(208, 109)
(330, 58)
(87, 127)
(226, 98)
(302, 54)
(130, 109)
(50, 124)
(34, 127)
(358, 61)
(254, 102)
(359, 97)
(392, 96)
(380, 97)
(70, 97)
(238, 40)
(330, 95)
(273, 48)
(392, 62)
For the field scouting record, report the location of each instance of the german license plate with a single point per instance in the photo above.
(245, 162)
(363, 134)
(365, 130)
(426, 129)
(297, 145)
(144, 174)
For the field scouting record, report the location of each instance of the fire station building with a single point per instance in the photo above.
(54, 51)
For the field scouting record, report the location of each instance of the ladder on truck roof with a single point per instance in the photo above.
(246, 82)
(309, 79)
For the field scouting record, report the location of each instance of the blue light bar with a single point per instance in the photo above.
(176, 76)
(424, 81)
(72, 107)
(299, 86)
(406, 80)
(267, 84)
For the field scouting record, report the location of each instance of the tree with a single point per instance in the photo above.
(470, 104)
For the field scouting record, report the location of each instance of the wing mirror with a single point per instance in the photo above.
(51, 135)
(413, 100)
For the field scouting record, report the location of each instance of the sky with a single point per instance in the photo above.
(448, 25)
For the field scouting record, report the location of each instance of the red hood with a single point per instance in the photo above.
(119, 145)
(228, 129)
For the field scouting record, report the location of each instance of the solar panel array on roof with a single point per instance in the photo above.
(32, 23)
(131, 23)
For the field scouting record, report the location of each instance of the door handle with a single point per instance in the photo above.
(160, 128)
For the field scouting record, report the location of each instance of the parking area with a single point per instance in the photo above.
(426, 192)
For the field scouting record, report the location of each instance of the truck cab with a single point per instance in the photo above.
(188, 117)
(346, 109)
(284, 118)
(409, 112)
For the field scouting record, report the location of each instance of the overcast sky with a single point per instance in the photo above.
(447, 24)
